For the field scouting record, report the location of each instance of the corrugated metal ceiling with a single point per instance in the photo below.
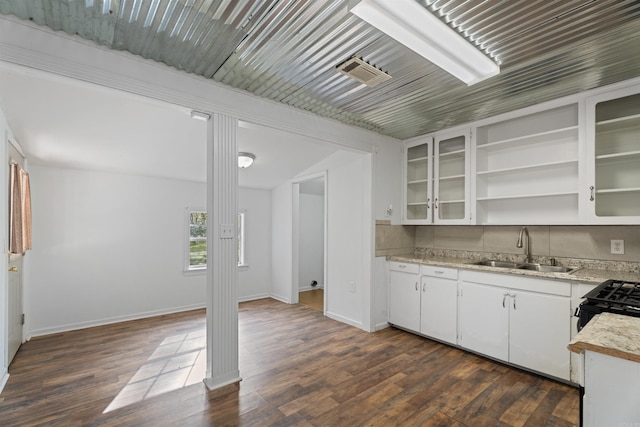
(287, 51)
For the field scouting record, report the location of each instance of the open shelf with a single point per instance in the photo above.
(528, 196)
(510, 143)
(510, 171)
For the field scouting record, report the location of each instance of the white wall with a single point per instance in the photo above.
(349, 231)
(281, 242)
(254, 281)
(311, 256)
(109, 247)
(5, 133)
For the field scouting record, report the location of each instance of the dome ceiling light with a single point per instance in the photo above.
(245, 160)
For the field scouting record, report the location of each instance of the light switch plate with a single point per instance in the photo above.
(226, 231)
(617, 247)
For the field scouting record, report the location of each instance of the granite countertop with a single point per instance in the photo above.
(590, 272)
(611, 334)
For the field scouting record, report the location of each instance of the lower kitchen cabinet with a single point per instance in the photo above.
(484, 320)
(516, 324)
(404, 295)
(438, 311)
(539, 333)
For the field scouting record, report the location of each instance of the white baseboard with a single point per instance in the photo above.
(281, 299)
(381, 326)
(253, 297)
(309, 288)
(115, 319)
(343, 319)
(3, 380)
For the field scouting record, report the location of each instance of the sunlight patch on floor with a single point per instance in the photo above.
(179, 361)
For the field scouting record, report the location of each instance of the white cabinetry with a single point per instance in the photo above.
(451, 186)
(612, 391)
(418, 177)
(527, 169)
(483, 320)
(436, 179)
(613, 158)
(438, 312)
(404, 295)
(520, 320)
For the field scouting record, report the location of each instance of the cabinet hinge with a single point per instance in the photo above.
(22, 319)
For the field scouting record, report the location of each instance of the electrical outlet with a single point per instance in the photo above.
(352, 286)
(617, 247)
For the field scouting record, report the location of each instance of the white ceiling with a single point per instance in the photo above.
(68, 123)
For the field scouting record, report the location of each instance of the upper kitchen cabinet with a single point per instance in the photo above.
(418, 185)
(452, 184)
(613, 158)
(527, 169)
(436, 186)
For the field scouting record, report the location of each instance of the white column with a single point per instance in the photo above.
(222, 302)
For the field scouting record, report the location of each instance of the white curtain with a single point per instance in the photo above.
(19, 210)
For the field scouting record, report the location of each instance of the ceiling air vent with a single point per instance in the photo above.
(365, 73)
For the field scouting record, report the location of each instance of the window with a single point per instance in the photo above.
(197, 240)
(196, 255)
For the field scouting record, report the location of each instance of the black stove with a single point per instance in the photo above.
(612, 296)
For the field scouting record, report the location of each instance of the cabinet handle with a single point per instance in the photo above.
(591, 198)
(423, 287)
(436, 203)
(416, 286)
(438, 271)
(504, 298)
(514, 300)
(402, 266)
(428, 201)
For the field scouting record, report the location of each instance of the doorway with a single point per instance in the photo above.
(309, 238)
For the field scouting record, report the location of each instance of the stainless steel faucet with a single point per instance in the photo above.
(527, 247)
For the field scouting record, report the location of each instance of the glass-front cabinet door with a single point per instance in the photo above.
(451, 184)
(613, 141)
(418, 182)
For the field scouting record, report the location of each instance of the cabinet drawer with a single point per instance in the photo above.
(435, 271)
(405, 267)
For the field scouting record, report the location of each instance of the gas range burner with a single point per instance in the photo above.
(613, 296)
(616, 292)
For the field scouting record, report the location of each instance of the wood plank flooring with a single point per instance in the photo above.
(299, 368)
(313, 298)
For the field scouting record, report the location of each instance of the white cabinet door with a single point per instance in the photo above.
(452, 178)
(404, 300)
(439, 307)
(483, 320)
(612, 190)
(418, 182)
(539, 332)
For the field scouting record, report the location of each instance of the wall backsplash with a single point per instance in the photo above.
(579, 241)
(394, 239)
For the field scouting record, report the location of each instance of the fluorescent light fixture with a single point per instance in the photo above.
(415, 27)
(245, 160)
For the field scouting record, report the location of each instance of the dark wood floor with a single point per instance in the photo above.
(298, 367)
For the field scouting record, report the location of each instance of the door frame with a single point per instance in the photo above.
(295, 241)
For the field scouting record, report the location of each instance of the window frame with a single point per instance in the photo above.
(241, 236)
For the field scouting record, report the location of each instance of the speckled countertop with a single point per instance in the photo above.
(611, 334)
(590, 271)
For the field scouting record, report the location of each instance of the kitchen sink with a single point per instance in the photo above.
(546, 268)
(495, 263)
